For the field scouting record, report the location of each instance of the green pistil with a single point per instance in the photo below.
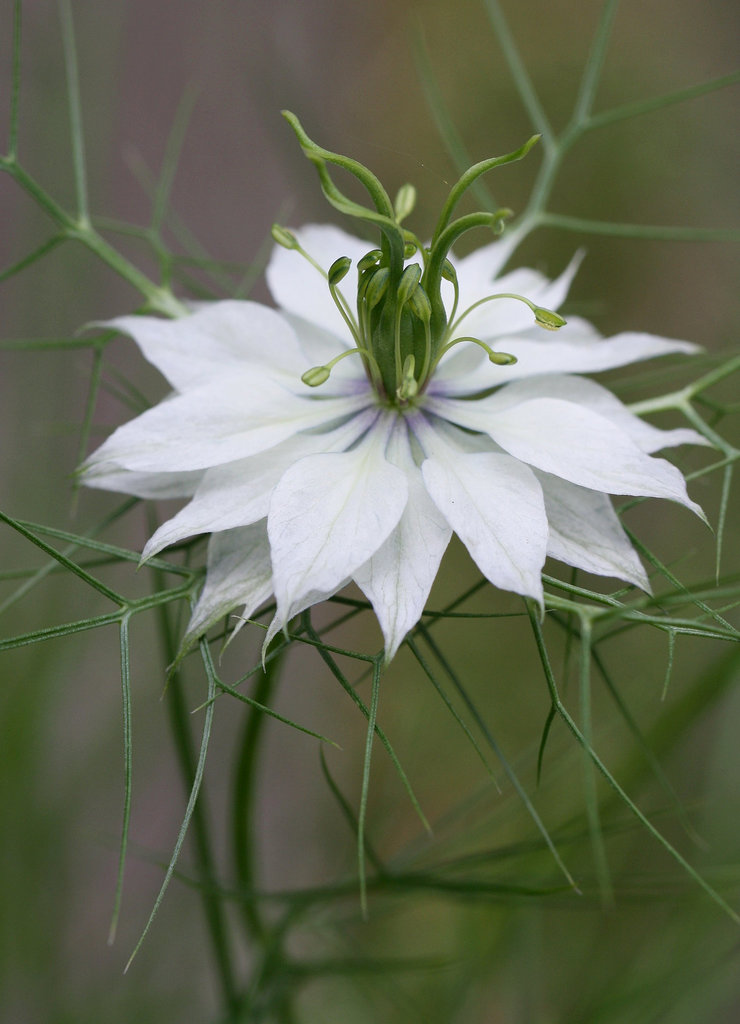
(402, 328)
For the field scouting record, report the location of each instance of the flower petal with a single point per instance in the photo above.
(575, 444)
(144, 485)
(583, 391)
(227, 419)
(319, 346)
(238, 493)
(398, 577)
(495, 506)
(328, 515)
(570, 351)
(585, 532)
(300, 288)
(218, 337)
(239, 573)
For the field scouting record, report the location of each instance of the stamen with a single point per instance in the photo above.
(409, 386)
(406, 288)
(405, 202)
(498, 358)
(542, 317)
(318, 375)
(547, 319)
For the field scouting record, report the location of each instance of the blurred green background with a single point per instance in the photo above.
(663, 952)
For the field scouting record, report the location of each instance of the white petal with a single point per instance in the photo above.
(585, 532)
(220, 422)
(495, 506)
(572, 350)
(144, 485)
(239, 573)
(238, 493)
(309, 599)
(600, 400)
(482, 265)
(300, 288)
(319, 346)
(577, 445)
(328, 515)
(218, 337)
(398, 577)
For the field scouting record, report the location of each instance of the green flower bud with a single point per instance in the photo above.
(405, 201)
(409, 386)
(316, 376)
(284, 237)
(448, 272)
(409, 280)
(338, 270)
(369, 260)
(547, 319)
(501, 358)
(420, 305)
(377, 287)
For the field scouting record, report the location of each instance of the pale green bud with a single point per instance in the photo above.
(316, 376)
(405, 201)
(338, 270)
(284, 237)
(420, 305)
(377, 287)
(409, 386)
(501, 358)
(370, 259)
(409, 280)
(547, 319)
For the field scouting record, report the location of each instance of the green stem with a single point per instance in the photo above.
(244, 789)
(159, 299)
(212, 908)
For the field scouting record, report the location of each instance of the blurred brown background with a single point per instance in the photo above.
(348, 71)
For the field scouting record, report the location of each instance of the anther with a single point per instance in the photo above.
(284, 237)
(547, 319)
(338, 270)
(405, 202)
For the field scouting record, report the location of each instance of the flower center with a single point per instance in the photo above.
(399, 322)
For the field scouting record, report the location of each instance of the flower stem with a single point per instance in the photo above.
(244, 791)
(212, 907)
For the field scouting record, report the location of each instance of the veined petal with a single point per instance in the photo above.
(144, 485)
(239, 573)
(569, 351)
(300, 288)
(398, 577)
(238, 493)
(218, 337)
(577, 445)
(328, 515)
(583, 391)
(220, 422)
(495, 506)
(585, 532)
(308, 600)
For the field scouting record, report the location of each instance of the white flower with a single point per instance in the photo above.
(305, 489)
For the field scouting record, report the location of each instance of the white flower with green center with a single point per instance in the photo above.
(451, 412)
